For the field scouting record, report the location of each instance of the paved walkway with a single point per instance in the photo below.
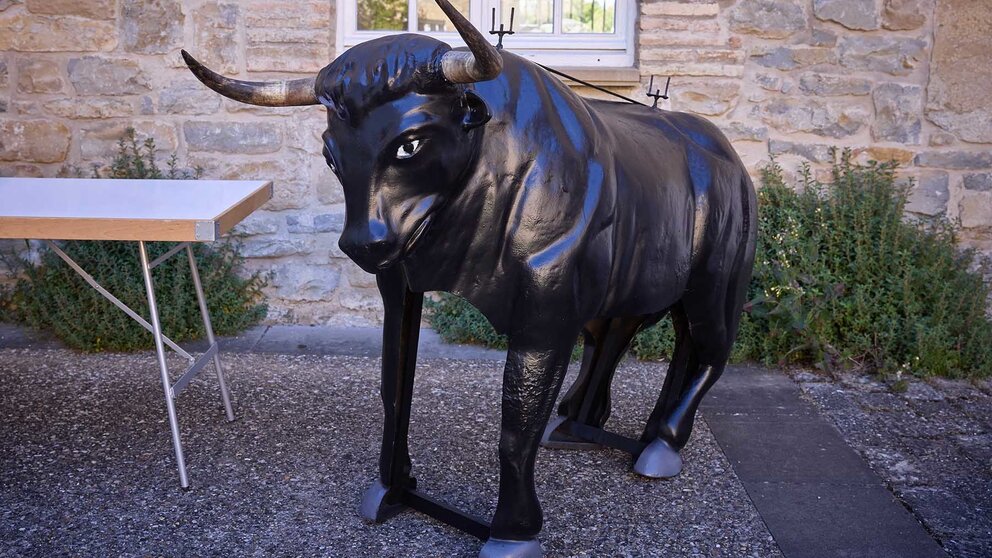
(766, 473)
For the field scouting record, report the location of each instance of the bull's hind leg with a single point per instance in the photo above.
(705, 331)
(660, 459)
(588, 400)
(400, 335)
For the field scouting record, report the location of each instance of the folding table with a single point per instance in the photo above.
(182, 211)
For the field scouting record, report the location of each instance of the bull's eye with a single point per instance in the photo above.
(409, 149)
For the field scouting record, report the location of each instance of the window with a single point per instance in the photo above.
(554, 32)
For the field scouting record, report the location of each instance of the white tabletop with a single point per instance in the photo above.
(124, 209)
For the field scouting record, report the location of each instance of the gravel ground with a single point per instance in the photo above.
(932, 444)
(86, 466)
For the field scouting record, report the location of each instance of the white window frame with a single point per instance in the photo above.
(614, 50)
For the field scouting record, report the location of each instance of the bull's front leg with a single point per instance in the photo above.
(535, 367)
(400, 335)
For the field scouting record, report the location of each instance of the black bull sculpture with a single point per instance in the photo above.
(477, 172)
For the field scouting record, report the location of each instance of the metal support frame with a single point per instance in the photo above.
(196, 365)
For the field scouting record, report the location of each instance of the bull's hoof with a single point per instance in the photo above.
(376, 504)
(554, 438)
(658, 461)
(500, 548)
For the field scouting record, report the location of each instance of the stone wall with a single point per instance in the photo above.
(892, 79)
(909, 80)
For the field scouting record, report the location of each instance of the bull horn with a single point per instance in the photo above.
(286, 93)
(482, 63)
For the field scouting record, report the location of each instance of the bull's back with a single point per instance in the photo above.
(679, 206)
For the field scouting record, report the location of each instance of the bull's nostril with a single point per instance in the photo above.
(378, 231)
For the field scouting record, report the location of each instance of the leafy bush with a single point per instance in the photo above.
(51, 296)
(842, 279)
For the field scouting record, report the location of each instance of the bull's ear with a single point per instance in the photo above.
(476, 111)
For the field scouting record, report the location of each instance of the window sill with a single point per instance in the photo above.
(603, 77)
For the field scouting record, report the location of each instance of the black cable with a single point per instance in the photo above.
(587, 84)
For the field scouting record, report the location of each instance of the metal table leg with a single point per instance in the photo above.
(196, 364)
(224, 395)
(170, 404)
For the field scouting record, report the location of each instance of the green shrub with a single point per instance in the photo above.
(842, 279)
(51, 296)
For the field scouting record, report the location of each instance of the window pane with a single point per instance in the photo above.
(386, 15)
(531, 16)
(430, 18)
(588, 16)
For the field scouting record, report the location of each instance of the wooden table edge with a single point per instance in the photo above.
(150, 230)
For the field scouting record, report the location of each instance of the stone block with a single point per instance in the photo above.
(308, 57)
(938, 139)
(288, 15)
(897, 113)
(903, 157)
(816, 153)
(960, 72)
(215, 28)
(39, 75)
(769, 82)
(258, 223)
(739, 131)
(827, 85)
(680, 9)
(861, 15)
(978, 182)
(34, 141)
(92, 107)
(329, 222)
(955, 160)
(236, 167)
(691, 69)
(359, 278)
(773, 19)
(296, 281)
(98, 141)
(791, 115)
(367, 300)
(22, 170)
(905, 15)
(287, 36)
(272, 247)
(233, 137)
(789, 58)
(299, 224)
(672, 24)
(188, 97)
(151, 26)
(702, 55)
(290, 194)
(711, 98)
(93, 9)
(976, 210)
(893, 55)
(929, 195)
(26, 32)
(94, 75)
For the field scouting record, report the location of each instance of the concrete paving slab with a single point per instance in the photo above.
(817, 496)
(851, 521)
